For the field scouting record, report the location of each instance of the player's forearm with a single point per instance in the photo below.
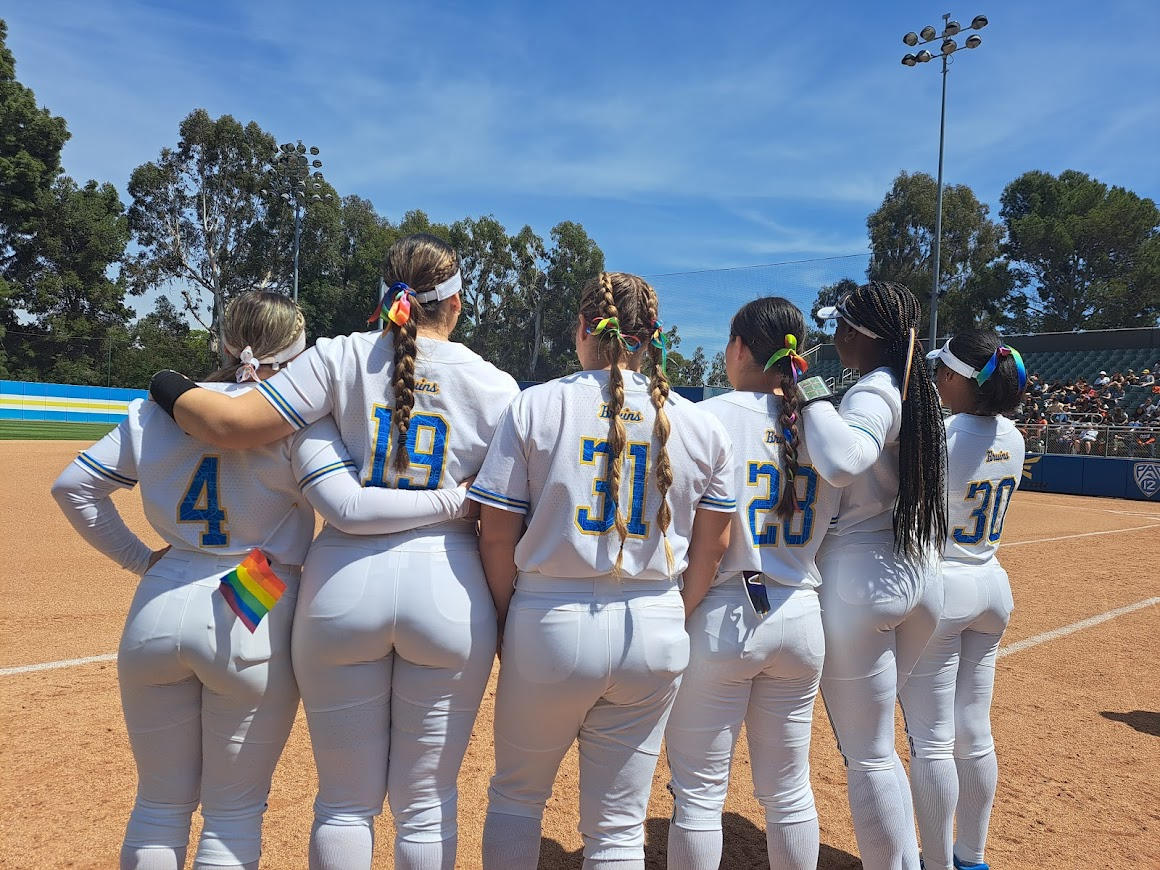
(358, 510)
(499, 532)
(234, 422)
(707, 546)
(838, 451)
(85, 502)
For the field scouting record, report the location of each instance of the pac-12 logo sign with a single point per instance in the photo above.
(1147, 475)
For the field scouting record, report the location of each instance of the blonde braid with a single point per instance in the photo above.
(617, 434)
(659, 390)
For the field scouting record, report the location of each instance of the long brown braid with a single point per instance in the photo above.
(625, 297)
(659, 391)
(920, 514)
(763, 325)
(420, 261)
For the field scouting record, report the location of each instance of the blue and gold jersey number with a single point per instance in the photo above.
(764, 524)
(593, 520)
(992, 498)
(426, 448)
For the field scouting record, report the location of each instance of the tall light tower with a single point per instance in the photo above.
(297, 185)
(948, 46)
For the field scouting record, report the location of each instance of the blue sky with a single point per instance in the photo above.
(684, 136)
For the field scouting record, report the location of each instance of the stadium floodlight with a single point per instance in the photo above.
(290, 171)
(946, 50)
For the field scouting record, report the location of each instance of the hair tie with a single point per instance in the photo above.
(400, 310)
(909, 362)
(660, 341)
(797, 364)
(993, 363)
(611, 325)
(248, 370)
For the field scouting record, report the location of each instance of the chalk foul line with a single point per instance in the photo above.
(1064, 631)
(51, 666)
(1080, 535)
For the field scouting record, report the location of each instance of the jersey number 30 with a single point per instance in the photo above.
(980, 491)
(200, 503)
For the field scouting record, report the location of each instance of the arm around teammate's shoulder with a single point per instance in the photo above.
(846, 444)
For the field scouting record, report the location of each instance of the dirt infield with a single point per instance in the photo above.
(1077, 717)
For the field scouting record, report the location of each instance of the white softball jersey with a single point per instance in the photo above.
(856, 448)
(760, 540)
(984, 468)
(200, 497)
(459, 398)
(548, 461)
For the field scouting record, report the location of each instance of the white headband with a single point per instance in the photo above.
(284, 355)
(436, 294)
(952, 362)
(833, 312)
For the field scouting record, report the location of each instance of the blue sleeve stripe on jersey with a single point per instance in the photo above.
(275, 398)
(319, 473)
(114, 476)
(873, 437)
(496, 498)
(729, 503)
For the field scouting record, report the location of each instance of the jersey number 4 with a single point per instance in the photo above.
(426, 448)
(762, 528)
(200, 503)
(980, 491)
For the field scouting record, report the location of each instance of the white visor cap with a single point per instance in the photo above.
(952, 362)
(833, 312)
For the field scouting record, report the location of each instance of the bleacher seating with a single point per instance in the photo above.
(1067, 365)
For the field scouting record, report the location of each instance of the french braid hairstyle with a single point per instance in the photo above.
(265, 322)
(631, 303)
(1001, 392)
(420, 261)
(764, 325)
(920, 514)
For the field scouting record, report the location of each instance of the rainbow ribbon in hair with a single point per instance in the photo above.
(611, 325)
(993, 363)
(400, 310)
(659, 341)
(797, 364)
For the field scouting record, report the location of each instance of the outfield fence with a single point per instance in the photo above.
(64, 403)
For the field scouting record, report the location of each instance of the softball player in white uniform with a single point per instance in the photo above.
(881, 589)
(947, 700)
(395, 635)
(756, 658)
(622, 487)
(208, 704)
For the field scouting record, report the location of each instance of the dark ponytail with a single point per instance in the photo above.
(920, 514)
(763, 325)
(1000, 393)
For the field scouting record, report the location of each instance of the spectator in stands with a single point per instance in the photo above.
(1144, 442)
(1116, 390)
(1152, 408)
(1146, 380)
(1102, 381)
(1087, 439)
(1131, 377)
(1118, 417)
(1056, 412)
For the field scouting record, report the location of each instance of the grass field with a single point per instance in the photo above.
(28, 430)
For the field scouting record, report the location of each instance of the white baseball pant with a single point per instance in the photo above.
(947, 707)
(596, 660)
(879, 610)
(393, 645)
(208, 707)
(760, 670)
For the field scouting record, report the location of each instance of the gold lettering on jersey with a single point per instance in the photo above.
(997, 455)
(626, 414)
(772, 436)
(425, 386)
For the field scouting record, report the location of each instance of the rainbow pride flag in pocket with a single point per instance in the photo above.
(252, 589)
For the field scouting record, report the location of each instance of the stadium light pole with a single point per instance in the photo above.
(947, 47)
(298, 185)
